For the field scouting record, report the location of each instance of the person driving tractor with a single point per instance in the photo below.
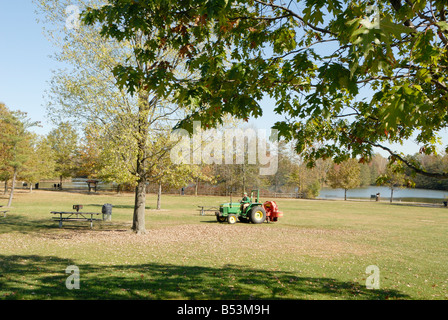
(244, 202)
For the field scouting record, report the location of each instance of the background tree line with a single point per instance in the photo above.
(67, 153)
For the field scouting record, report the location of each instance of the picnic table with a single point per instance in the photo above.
(76, 216)
(204, 209)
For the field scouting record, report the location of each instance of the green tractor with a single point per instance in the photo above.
(248, 210)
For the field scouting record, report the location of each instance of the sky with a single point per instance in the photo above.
(26, 69)
(25, 63)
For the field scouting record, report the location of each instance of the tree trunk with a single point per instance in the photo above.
(159, 197)
(345, 194)
(138, 224)
(11, 195)
(244, 177)
(196, 187)
(391, 195)
(31, 187)
(6, 187)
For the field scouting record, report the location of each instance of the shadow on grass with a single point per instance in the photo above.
(22, 224)
(44, 277)
(25, 225)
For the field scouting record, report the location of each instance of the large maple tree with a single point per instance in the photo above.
(348, 75)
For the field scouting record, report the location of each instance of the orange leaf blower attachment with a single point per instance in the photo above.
(272, 212)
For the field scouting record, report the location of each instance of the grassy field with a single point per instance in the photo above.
(319, 250)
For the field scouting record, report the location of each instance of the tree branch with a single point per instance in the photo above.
(292, 13)
(418, 170)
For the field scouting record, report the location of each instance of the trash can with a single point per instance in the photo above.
(107, 212)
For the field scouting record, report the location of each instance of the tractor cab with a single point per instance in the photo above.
(254, 200)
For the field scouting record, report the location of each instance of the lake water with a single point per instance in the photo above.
(406, 194)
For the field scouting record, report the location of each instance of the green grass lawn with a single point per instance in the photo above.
(319, 250)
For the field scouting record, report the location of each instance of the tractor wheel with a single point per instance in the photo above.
(221, 218)
(231, 219)
(257, 215)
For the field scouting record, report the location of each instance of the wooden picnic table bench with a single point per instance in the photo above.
(204, 209)
(76, 216)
